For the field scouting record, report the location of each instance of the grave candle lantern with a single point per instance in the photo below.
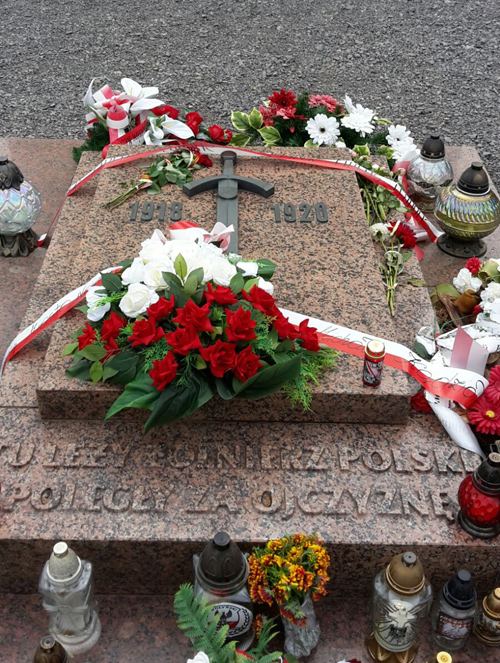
(66, 585)
(20, 205)
(487, 621)
(467, 211)
(402, 598)
(428, 173)
(479, 499)
(453, 613)
(221, 573)
(50, 651)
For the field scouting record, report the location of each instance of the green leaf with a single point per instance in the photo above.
(362, 150)
(171, 279)
(180, 267)
(224, 389)
(421, 351)
(266, 268)
(255, 119)
(125, 376)
(123, 360)
(139, 393)
(241, 121)
(237, 283)
(416, 283)
(93, 352)
(200, 363)
(447, 289)
(112, 282)
(240, 140)
(96, 371)
(270, 136)
(108, 372)
(178, 401)
(69, 349)
(269, 380)
(80, 370)
(250, 284)
(190, 285)
(310, 143)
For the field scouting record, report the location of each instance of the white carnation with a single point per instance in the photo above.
(379, 231)
(138, 298)
(464, 280)
(96, 311)
(200, 657)
(223, 271)
(490, 293)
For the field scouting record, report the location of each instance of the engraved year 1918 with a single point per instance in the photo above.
(305, 213)
(149, 210)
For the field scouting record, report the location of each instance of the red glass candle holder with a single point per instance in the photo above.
(479, 500)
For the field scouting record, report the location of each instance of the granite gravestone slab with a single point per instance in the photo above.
(313, 228)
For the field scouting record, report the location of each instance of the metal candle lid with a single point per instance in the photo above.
(375, 349)
(222, 566)
(10, 175)
(433, 147)
(491, 604)
(487, 476)
(405, 574)
(443, 657)
(474, 180)
(459, 591)
(50, 651)
(64, 563)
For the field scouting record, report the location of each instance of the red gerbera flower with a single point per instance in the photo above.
(324, 100)
(283, 99)
(404, 233)
(485, 416)
(473, 265)
(492, 391)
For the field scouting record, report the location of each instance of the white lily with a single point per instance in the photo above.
(154, 135)
(140, 96)
(176, 128)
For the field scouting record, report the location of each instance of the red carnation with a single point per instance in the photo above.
(283, 99)
(166, 110)
(262, 300)
(240, 326)
(145, 332)
(285, 328)
(193, 120)
(246, 365)
(164, 371)
(87, 337)
(220, 295)
(220, 356)
(161, 309)
(194, 316)
(112, 327)
(308, 336)
(473, 265)
(111, 349)
(267, 116)
(485, 415)
(477, 309)
(218, 135)
(419, 402)
(183, 340)
(404, 233)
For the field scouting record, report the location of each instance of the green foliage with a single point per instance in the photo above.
(299, 391)
(97, 139)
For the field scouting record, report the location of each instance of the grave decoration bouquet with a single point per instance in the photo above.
(196, 619)
(133, 115)
(183, 322)
(286, 570)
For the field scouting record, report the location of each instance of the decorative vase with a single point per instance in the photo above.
(301, 640)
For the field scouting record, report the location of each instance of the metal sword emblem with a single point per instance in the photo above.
(227, 185)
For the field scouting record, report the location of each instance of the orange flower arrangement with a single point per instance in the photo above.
(285, 570)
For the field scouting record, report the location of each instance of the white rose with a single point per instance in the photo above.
(490, 293)
(200, 657)
(248, 268)
(223, 271)
(465, 281)
(265, 285)
(153, 273)
(206, 265)
(153, 249)
(96, 312)
(134, 273)
(137, 300)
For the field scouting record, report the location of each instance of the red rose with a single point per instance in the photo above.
(194, 316)
(419, 402)
(285, 328)
(111, 349)
(220, 295)
(204, 160)
(145, 332)
(247, 363)
(218, 135)
(87, 337)
(161, 309)
(112, 327)
(262, 300)
(193, 120)
(164, 371)
(220, 356)
(308, 336)
(240, 326)
(166, 110)
(183, 340)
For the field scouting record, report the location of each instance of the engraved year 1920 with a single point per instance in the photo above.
(305, 213)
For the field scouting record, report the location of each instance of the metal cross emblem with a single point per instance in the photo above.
(227, 185)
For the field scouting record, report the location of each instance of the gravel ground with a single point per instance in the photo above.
(420, 62)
